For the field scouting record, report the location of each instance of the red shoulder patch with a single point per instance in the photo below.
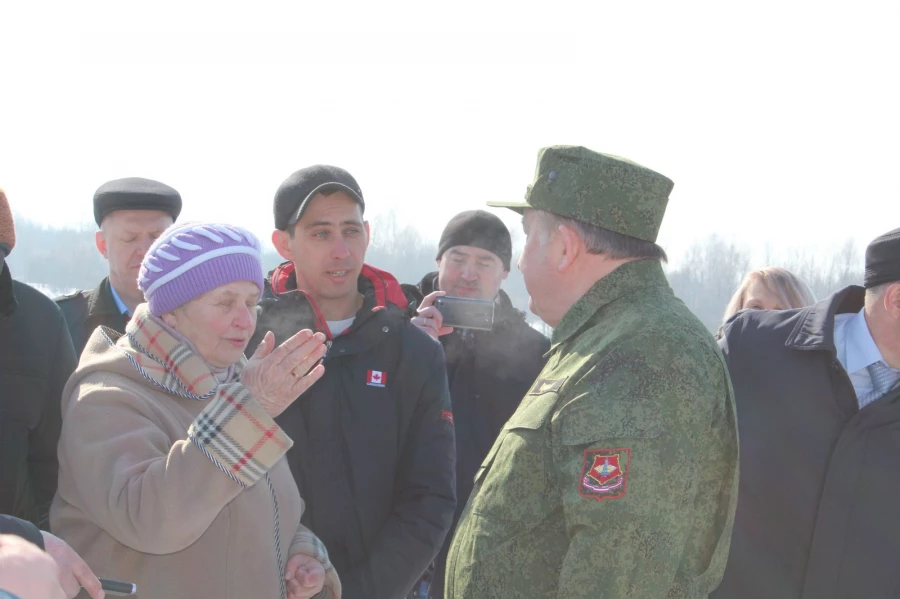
(447, 415)
(604, 474)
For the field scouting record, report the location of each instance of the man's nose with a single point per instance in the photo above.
(340, 250)
(144, 245)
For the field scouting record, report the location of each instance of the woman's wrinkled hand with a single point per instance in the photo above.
(276, 377)
(304, 576)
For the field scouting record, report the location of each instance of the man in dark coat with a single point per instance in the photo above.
(818, 401)
(489, 371)
(131, 213)
(373, 452)
(36, 359)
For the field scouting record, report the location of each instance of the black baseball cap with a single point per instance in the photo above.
(294, 194)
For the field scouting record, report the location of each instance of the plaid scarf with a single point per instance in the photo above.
(167, 362)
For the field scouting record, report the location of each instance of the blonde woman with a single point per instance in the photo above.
(770, 288)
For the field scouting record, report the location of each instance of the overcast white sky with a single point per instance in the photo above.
(778, 121)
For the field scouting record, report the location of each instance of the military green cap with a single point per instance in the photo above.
(599, 189)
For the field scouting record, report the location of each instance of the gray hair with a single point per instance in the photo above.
(598, 240)
(876, 293)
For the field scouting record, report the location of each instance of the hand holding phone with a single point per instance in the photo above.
(428, 319)
(466, 313)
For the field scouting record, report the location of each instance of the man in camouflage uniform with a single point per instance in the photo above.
(617, 475)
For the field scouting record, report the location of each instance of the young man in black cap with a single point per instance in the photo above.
(489, 372)
(131, 214)
(373, 452)
(818, 401)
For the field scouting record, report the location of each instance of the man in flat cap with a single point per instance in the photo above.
(373, 452)
(617, 475)
(488, 371)
(131, 214)
(818, 399)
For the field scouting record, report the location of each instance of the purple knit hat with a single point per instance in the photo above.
(192, 258)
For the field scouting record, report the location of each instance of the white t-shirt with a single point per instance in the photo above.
(339, 326)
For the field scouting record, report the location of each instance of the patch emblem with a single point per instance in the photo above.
(542, 386)
(376, 378)
(447, 415)
(604, 474)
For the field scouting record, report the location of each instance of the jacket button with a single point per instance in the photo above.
(385, 329)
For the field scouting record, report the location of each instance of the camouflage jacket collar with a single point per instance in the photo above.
(626, 280)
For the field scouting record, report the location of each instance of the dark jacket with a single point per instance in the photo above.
(10, 525)
(87, 310)
(818, 512)
(373, 450)
(36, 359)
(489, 373)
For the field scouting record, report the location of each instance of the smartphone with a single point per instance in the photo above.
(117, 587)
(466, 313)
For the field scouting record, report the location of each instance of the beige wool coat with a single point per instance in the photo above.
(171, 480)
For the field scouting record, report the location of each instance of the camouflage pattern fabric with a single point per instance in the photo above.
(599, 189)
(617, 476)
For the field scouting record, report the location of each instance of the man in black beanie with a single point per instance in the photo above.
(818, 401)
(130, 213)
(489, 372)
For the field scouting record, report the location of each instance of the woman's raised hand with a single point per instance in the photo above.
(276, 377)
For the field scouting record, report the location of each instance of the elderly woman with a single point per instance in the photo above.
(172, 472)
(771, 288)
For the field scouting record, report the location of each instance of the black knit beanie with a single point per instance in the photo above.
(883, 260)
(480, 229)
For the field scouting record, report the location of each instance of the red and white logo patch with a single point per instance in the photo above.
(376, 378)
(604, 474)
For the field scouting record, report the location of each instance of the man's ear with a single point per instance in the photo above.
(892, 300)
(571, 247)
(282, 242)
(100, 242)
(505, 274)
(368, 233)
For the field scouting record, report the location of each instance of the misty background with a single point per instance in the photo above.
(60, 260)
(777, 121)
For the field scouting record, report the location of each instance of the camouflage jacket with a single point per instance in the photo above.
(617, 475)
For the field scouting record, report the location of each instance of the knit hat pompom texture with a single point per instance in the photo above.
(192, 258)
